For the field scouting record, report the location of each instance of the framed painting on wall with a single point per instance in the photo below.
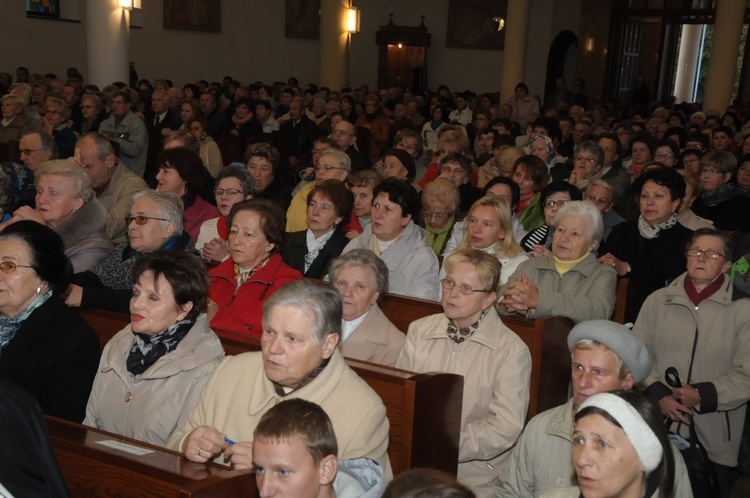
(194, 15)
(474, 24)
(43, 8)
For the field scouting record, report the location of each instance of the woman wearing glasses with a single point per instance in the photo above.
(155, 222)
(91, 107)
(440, 200)
(208, 149)
(232, 186)
(469, 339)
(45, 347)
(263, 162)
(722, 201)
(568, 281)
(538, 242)
(699, 327)
(55, 122)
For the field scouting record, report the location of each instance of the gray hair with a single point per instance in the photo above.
(592, 148)
(363, 258)
(247, 183)
(103, 145)
(322, 300)
(340, 156)
(47, 142)
(94, 100)
(586, 210)
(67, 168)
(170, 206)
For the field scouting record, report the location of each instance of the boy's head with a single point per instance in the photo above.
(294, 451)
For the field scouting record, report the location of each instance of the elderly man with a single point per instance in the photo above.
(128, 130)
(606, 356)
(330, 164)
(175, 96)
(37, 147)
(160, 117)
(345, 135)
(299, 358)
(114, 184)
(299, 130)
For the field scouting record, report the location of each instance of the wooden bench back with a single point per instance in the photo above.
(91, 469)
(424, 410)
(9, 151)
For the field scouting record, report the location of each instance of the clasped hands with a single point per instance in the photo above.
(680, 403)
(520, 297)
(205, 443)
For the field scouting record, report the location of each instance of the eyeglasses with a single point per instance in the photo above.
(52, 111)
(697, 253)
(668, 155)
(599, 202)
(88, 107)
(448, 284)
(229, 191)
(552, 204)
(710, 171)
(325, 169)
(7, 267)
(587, 159)
(453, 171)
(27, 152)
(338, 133)
(141, 220)
(433, 215)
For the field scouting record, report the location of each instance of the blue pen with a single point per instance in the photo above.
(229, 441)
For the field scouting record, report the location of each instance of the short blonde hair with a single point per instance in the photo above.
(66, 168)
(442, 191)
(487, 266)
(509, 246)
(60, 104)
(13, 99)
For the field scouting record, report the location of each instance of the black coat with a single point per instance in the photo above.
(653, 261)
(299, 136)
(295, 250)
(732, 214)
(54, 356)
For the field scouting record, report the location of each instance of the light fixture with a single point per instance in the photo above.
(352, 19)
(400, 45)
(500, 23)
(126, 4)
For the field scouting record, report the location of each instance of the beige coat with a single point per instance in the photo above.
(239, 393)
(376, 340)
(151, 407)
(117, 198)
(496, 366)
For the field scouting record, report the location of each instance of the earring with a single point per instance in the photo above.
(38, 290)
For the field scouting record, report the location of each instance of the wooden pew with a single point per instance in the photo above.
(546, 339)
(91, 469)
(424, 410)
(630, 296)
(10, 152)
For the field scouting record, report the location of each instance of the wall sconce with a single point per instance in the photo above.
(352, 19)
(589, 44)
(129, 4)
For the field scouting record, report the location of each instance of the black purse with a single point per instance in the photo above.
(703, 480)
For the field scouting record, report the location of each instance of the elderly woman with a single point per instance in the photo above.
(362, 184)
(569, 281)
(489, 229)
(602, 195)
(620, 448)
(366, 333)
(698, 327)
(501, 164)
(440, 201)
(55, 122)
(299, 358)
(311, 251)
(14, 122)
(91, 108)
(208, 150)
(557, 194)
(47, 348)
(399, 242)
(652, 248)
(641, 153)
(263, 165)
(530, 174)
(457, 168)
(181, 172)
(399, 164)
(152, 372)
(588, 160)
(65, 202)
(232, 186)
(685, 215)
(154, 222)
(254, 271)
(469, 339)
(722, 201)
(542, 147)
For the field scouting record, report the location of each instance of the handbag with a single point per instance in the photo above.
(702, 475)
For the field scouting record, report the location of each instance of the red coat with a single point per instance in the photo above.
(241, 309)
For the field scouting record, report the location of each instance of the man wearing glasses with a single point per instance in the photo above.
(345, 134)
(37, 147)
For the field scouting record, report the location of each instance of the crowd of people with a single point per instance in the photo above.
(124, 199)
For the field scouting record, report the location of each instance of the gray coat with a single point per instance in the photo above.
(132, 136)
(82, 232)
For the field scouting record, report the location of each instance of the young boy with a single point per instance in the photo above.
(294, 455)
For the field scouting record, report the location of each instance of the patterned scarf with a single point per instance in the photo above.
(721, 193)
(460, 334)
(241, 275)
(9, 326)
(285, 390)
(315, 245)
(652, 232)
(147, 349)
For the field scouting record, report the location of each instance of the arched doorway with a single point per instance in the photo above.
(561, 60)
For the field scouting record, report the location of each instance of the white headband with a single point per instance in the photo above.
(641, 436)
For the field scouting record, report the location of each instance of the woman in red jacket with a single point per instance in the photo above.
(254, 271)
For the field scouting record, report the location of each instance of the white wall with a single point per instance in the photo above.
(252, 45)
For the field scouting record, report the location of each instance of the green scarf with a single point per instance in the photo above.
(436, 238)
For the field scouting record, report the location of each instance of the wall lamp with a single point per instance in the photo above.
(352, 20)
(129, 4)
